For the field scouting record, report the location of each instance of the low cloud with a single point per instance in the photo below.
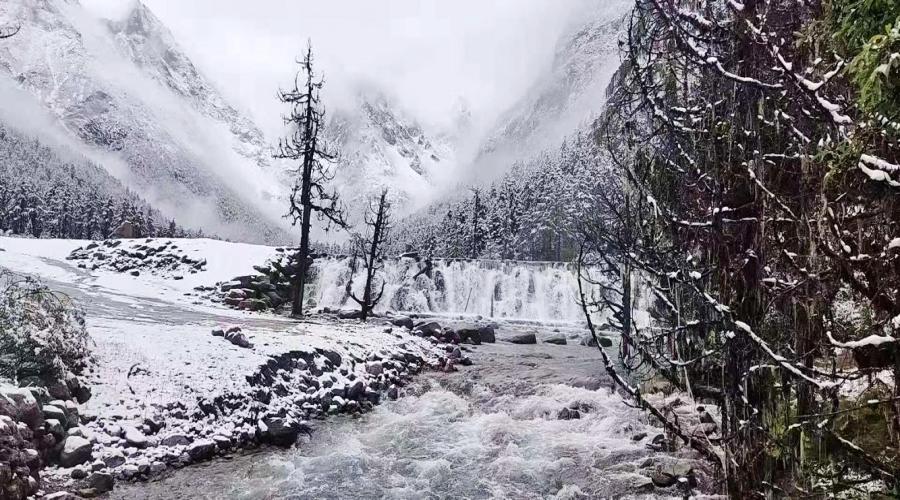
(428, 53)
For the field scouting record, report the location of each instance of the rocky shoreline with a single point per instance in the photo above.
(81, 453)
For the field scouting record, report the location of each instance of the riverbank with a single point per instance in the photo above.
(178, 380)
(175, 381)
(525, 421)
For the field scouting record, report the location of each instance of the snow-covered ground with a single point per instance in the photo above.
(157, 362)
(46, 258)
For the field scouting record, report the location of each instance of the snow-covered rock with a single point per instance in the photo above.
(76, 451)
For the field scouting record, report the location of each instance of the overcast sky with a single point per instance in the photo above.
(430, 54)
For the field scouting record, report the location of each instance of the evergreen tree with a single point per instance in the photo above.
(310, 194)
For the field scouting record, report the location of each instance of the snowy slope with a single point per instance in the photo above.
(47, 258)
(125, 88)
(568, 96)
(382, 146)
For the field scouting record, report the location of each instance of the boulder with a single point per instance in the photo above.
(281, 431)
(114, 458)
(76, 451)
(79, 391)
(374, 368)
(23, 406)
(568, 414)
(202, 449)
(102, 482)
(487, 334)
(175, 440)
(356, 390)
(393, 392)
(403, 321)
(55, 427)
(470, 335)
(239, 339)
(590, 342)
(134, 437)
(349, 314)
(56, 412)
(275, 299)
(524, 338)
(558, 339)
(230, 285)
(429, 328)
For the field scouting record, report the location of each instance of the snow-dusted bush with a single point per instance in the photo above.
(42, 333)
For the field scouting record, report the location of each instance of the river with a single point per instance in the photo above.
(488, 431)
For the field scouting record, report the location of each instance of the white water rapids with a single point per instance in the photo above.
(489, 432)
(538, 291)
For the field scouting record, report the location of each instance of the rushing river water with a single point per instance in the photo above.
(490, 431)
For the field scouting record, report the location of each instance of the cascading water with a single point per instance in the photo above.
(538, 291)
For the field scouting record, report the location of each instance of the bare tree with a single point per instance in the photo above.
(372, 247)
(310, 193)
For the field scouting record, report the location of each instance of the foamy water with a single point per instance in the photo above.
(490, 432)
(499, 289)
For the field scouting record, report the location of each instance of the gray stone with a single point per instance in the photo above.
(524, 338)
(114, 458)
(356, 390)
(282, 431)
(487, 334)
(238, 338)
(202, 449)
(429, 329)
(374, 368)
(470, 335)
(175, 440)
(55, 427)
(101, 481)
(135, 437)
(568, 414)
(403, 321)
(53, 412)
(556, 340)
(23, 406)
(76, 451)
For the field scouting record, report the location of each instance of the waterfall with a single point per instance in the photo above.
(539, 291)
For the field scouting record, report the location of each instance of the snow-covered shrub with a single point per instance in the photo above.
(42, 333)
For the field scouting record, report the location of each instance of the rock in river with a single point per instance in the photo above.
(524, 338)
(558, 339)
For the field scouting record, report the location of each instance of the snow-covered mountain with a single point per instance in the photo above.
(565, 98)
(125, 88)
(382, 146)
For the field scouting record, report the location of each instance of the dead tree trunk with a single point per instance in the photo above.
(378, 219)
